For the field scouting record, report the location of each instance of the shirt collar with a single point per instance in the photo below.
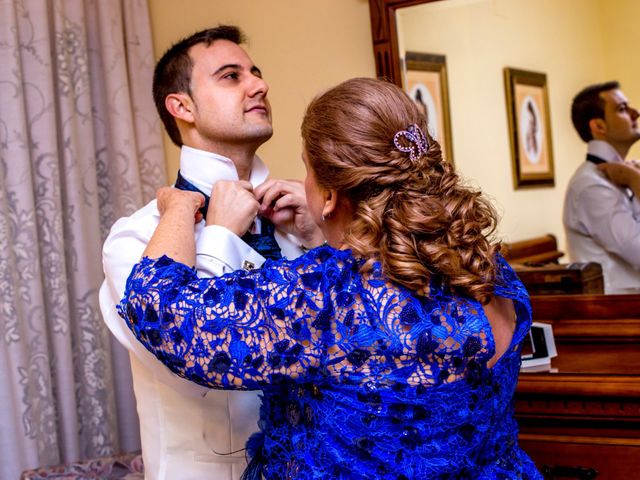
(204, 169)
(603, 150)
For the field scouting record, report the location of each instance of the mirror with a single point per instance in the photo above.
(385, 36)
(574, 43)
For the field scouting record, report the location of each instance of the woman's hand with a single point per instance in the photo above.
(169, 197)
(623, 174)
(284, 202)
(175, 234)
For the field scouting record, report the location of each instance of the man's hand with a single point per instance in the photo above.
(285, 204)
(233, 206)
(623, 174)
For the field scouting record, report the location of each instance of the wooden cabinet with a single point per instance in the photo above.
(581, 418)
(562, 278)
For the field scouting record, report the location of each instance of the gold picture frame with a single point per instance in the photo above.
(529, 128)
(425, 80)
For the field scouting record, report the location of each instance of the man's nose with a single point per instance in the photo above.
(258, 86)
(634, 113)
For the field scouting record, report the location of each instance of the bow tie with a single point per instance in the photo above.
(264, 242)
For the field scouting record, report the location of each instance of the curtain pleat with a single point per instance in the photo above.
(80, 146)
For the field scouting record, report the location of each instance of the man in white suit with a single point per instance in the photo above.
(601, 210)
(213, 102)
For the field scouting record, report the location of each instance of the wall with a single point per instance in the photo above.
(566, 39)
(620, 27)
(305, 46)
(301, 46)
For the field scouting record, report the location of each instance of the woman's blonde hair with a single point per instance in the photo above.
(412, 215)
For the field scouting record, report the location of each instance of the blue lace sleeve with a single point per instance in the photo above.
(509, 286)
(308, 319)
(230, 331)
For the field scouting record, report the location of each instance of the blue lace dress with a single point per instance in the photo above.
(360, 378)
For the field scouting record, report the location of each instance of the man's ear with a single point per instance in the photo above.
(598, 127)
(180, 106)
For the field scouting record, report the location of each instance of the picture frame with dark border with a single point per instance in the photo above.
(529, 128)
(425, 81)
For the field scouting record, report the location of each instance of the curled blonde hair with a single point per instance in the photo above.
(413, 216)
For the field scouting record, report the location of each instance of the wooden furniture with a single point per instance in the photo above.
(385, 36)
(539, 250)
(581, 418)
(562, 278)
(535, 260)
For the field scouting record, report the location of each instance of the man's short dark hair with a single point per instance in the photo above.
(173, 71)
(588, 105)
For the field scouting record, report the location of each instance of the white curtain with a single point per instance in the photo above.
(80, 146)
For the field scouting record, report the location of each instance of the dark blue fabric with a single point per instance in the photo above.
(593, 159)
(264, 242)
(361, 378)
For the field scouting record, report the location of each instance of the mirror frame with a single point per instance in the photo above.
(384, 33)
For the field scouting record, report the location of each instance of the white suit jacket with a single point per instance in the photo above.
(188, 432)
(602, 223)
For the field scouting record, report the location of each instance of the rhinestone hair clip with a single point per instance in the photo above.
(411, 141)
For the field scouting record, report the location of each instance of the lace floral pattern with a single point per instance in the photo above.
(358, 375)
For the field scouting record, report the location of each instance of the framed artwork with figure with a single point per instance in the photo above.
(529, 128)
(425, 80)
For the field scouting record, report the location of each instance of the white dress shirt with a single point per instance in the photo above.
(602, 222)
(188, 432)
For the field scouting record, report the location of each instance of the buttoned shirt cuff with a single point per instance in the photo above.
(221, 251)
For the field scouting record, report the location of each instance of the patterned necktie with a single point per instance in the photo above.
(264, 242)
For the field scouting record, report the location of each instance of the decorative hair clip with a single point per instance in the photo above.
(411, 141)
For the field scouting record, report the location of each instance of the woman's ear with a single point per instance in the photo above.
(180, 106)
(330, 202)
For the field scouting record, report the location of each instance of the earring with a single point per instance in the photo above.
(323, 217)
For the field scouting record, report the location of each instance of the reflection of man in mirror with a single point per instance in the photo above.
(601, 210)
(425, 102)
(421, 105)
(531, 144)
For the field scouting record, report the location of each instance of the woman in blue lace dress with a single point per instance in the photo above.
(393, 351)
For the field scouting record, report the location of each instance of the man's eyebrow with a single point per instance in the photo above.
(234, 66)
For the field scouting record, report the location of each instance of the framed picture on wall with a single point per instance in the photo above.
(425, 80)
(529, 128)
